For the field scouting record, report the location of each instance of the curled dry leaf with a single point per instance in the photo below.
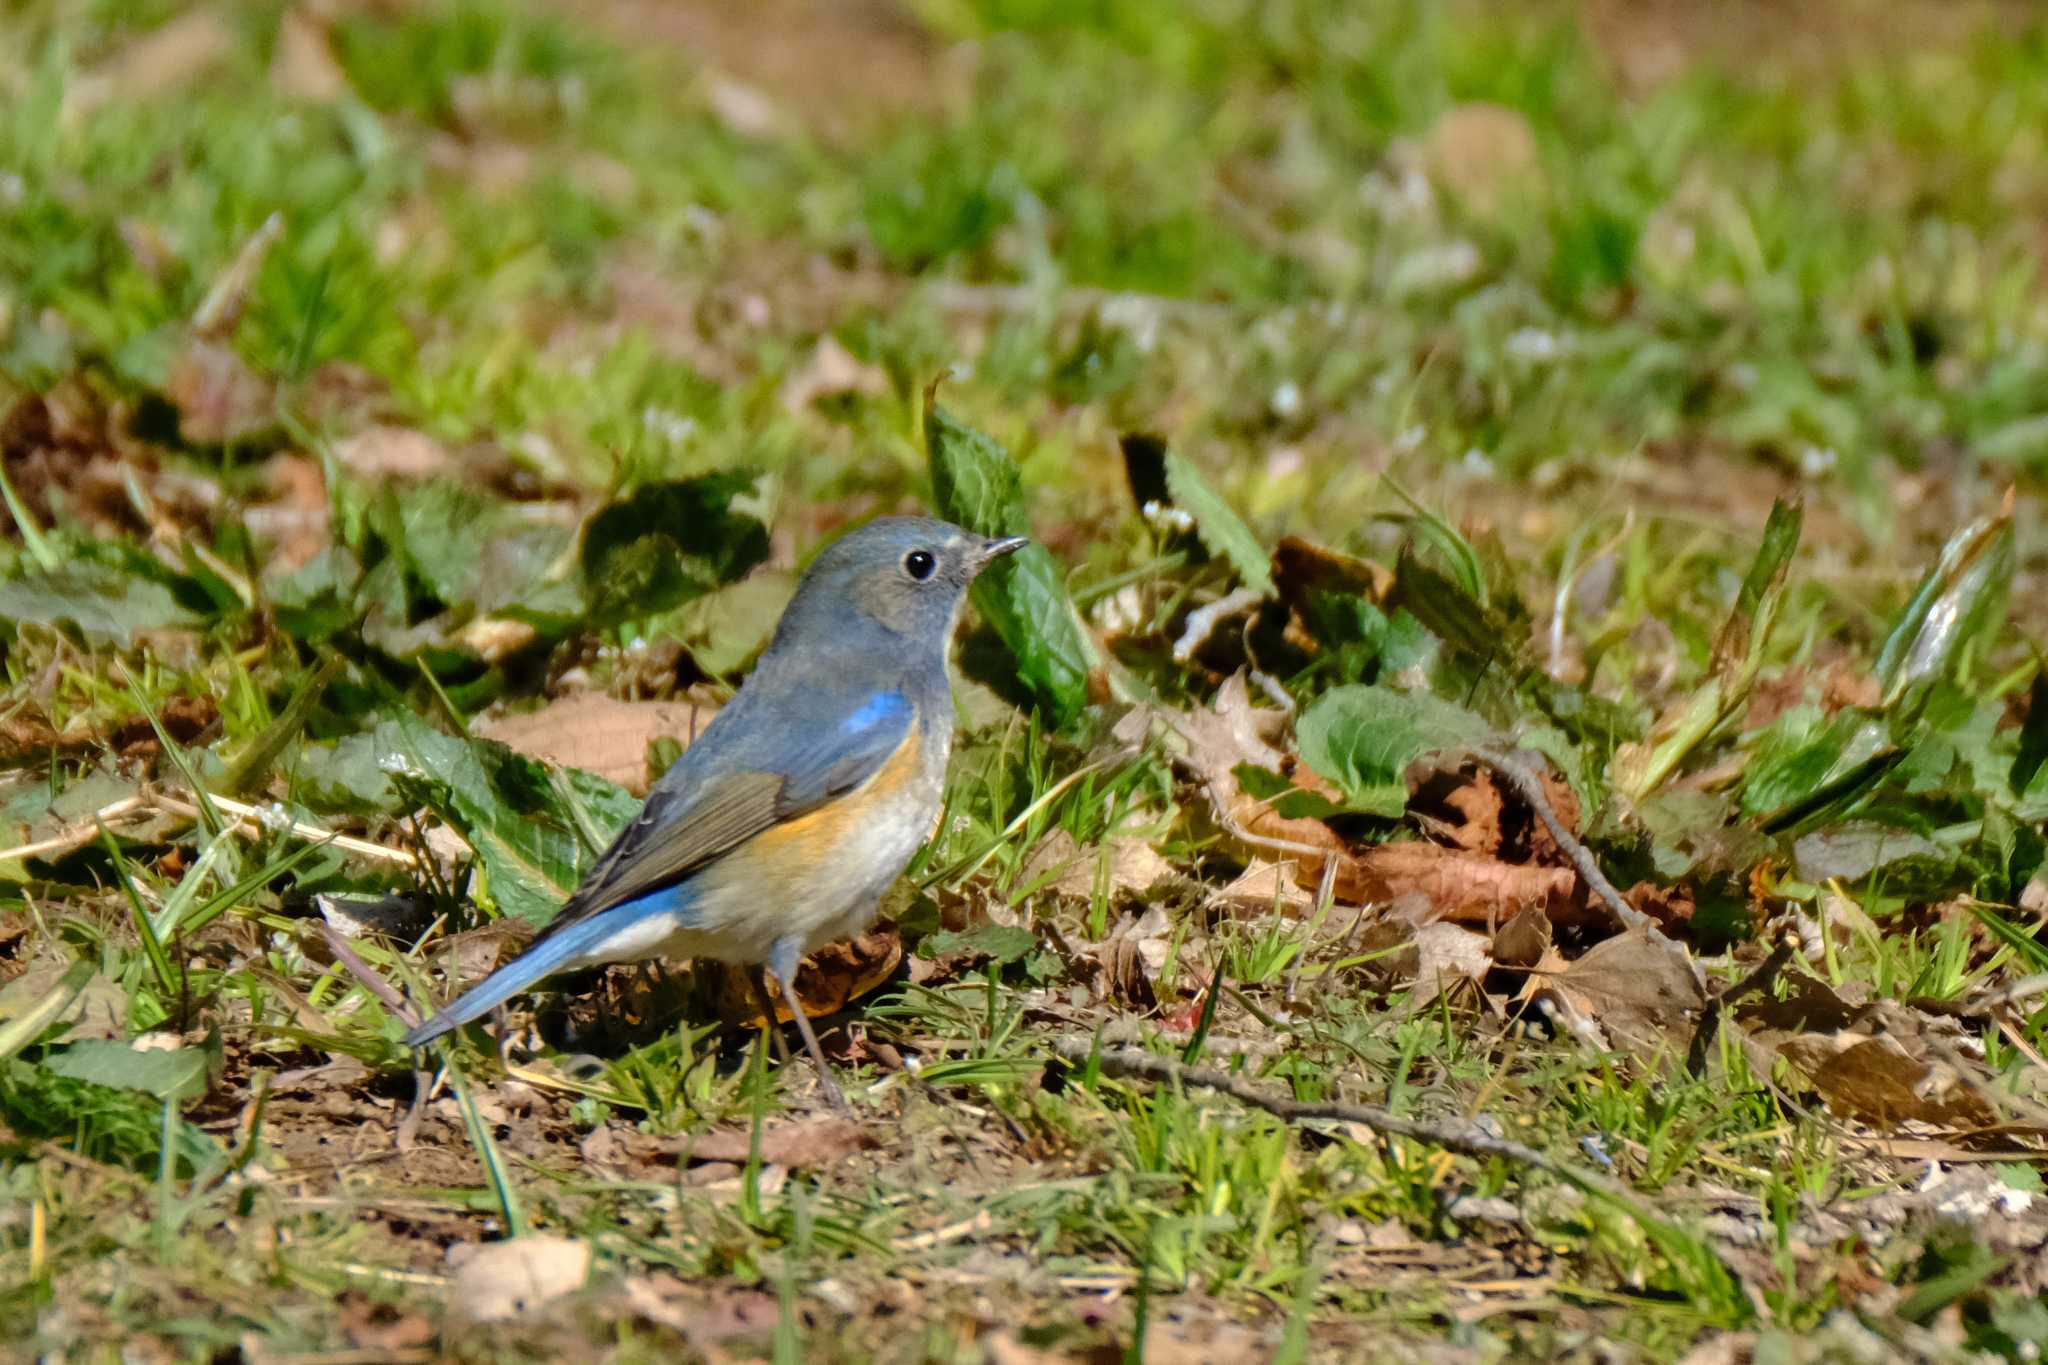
(1467, 887)
(831, 371)
(1134, 954)
(599, 734)
(218, 397)
(1133, 868)
(1524, 940)
(381, 452)
(1876, 1079)
(302, 65)
(808, 1145)
(1233, 734)
(826, 982)
(1446, 959)
(1301, 568)
(1644, 994)
(496, 1281)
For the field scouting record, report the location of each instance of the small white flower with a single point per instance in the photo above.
(1535, 345)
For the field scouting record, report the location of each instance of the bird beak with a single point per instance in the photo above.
(995, 549)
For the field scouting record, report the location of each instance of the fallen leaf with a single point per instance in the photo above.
(383, 1329)
(1074, 872)
(173, 55)
(495, 1281)
(218, 397)
(1266, 886)
(1523, 940)
(831, 371)
(1876, 1080)
(1468, 887)
(808, 1145)
(1445, 958)
(827, 981)
(302, 64)
(1232, 734)
(1301, 567)
(1645, 993)
(1480, 152)
(599, 734)
(703, 1314)
(384, 452)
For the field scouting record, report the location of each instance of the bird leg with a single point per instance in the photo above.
(803, 1024)
(770, 1029)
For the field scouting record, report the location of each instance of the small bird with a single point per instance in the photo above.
(779, 829)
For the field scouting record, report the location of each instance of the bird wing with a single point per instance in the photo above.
(697, 812)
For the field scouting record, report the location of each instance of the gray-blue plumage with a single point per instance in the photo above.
(778, 830)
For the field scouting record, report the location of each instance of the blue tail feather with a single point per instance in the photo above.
(552, 955)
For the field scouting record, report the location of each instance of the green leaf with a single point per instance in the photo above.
(525, 822)
(104, 604)
(1000, 943)
(1738, 657)
(1962, 598)
(1218, 524)
(468, 550)
(180, 1073)
(1364, 737)
(1021, 596)
(666, 544)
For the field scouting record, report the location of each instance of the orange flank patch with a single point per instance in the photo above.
(800, 850)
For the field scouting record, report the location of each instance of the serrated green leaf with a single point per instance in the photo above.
(667, 544)
(1218, 524)
(515, 814)
(1363, 737)
(179, 1073)
(1001, 943)
(1021, 596)
(103, 603)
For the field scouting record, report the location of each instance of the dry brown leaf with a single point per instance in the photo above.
(174, 54)
(1266, 886)
(599, 734)
(384, 1330)
(1877, 1080)
(1134, 868)
(495, 1281)
(218, 397)
(1668, 905)
(302, 65)
(1446, 957)
(826, 982)
(382, 452)
(1646, 994)
(1233, 733)
(1301, 567)
(808, 1145)
(1524, 940)
(1480, 152)
(1468, 887)
(832, 370)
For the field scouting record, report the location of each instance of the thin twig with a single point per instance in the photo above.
(1453, 1135)
(269, 818)
(1529, 787)
(81, 832)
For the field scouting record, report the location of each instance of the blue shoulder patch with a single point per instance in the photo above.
(882, 709)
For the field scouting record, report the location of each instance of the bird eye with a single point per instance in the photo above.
(919, 564)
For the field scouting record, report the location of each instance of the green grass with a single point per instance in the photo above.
(1505, 384)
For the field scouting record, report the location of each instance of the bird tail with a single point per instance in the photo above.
(559, 952)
